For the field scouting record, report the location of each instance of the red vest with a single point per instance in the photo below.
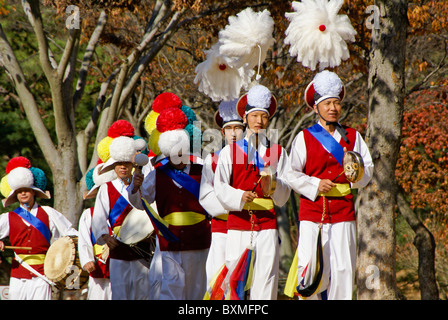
(217, 225)
(170, 198)
(27, 236)
(245, 179)
(323, 165)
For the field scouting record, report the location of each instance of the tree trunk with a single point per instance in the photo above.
(426, 246)
(376, 225)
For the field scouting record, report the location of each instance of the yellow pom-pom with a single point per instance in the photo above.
(5, 189)
(153, 142)
(103, 148)
(150, 121)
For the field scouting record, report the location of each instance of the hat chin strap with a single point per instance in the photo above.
(336, 125)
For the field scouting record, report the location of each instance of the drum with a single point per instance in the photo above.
(137, 233)
(136, 227)
(62, 264)
(353, 166)
(268, 181)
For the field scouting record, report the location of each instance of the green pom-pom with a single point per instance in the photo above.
(89, 179)
(191, 116)
(40, 180)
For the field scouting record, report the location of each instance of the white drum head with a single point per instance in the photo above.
(136, 227)
(60, 255)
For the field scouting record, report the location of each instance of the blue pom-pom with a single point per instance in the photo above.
(89, 179)
(40, 180)
(191, 116)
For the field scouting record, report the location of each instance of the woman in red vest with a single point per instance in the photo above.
(316, 162)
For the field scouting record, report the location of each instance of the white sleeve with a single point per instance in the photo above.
(230, 198)
(85, 246)
(363, 150)
(4, 225)
(60, 226)
(282, 188)
(100, 225)
(207, 196)
(300, 182)
(147, 191)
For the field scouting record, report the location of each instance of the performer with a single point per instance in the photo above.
(252, 217)
(30, 225)
(316, 160)
(174, 187)
(232, 128)
(128, 270)
(90, 253)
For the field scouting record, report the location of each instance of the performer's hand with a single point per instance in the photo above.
(2, 246)
(326, 185)
(111, 242)
(248, 196)
(89, 266)
(137, 181)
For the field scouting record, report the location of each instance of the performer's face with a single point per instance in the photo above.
(25, 195)
(330, 109)
(257, 120)
(233, 132)
(123, 169)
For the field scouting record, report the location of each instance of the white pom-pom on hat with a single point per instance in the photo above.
(18, 178)
(122, 149)
(317, 34)
(259, 98)
(227, 114)
(326, 84)
(175, 144)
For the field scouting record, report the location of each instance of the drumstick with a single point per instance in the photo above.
(18, 248)
(262, 174)
(338, 176)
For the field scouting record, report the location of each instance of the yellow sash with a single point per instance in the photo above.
(259, 204)
(186, 218)
(341, 190)
(97, 249)
(32, 259)
(222, 217)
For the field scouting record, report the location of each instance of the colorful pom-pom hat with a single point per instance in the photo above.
(20, 175)
(94, 180)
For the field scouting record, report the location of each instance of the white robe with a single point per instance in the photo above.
(129, 279)
(266, 242)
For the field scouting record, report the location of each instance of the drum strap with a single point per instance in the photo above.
(341, 190)
(259, 204)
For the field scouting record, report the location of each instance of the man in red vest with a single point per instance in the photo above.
(316, 162)
(174, 187)
(30, 225)
(232, 128)
(252, 221)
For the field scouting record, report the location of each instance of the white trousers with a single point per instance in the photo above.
(216, 255)
(155, 273)
(29, 289)
(129, 279)
(339, 254)
(266, 261)
(183, 275)
(99, 289)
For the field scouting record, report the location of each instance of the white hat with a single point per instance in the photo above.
(227, 114)
(325, 85)
(25, 177)
(122, 149)
(259, 98)
(98, 180)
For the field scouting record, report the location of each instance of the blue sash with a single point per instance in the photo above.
(328, 142)
(118, 208)
(183, 179)
(258, 161)
(35, 222)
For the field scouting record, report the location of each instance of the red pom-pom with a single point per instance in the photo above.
(17, 162)
(222, 67)
(171, 119)
(120, 128)
(166, 100)
(99, 161)
(322, 27)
